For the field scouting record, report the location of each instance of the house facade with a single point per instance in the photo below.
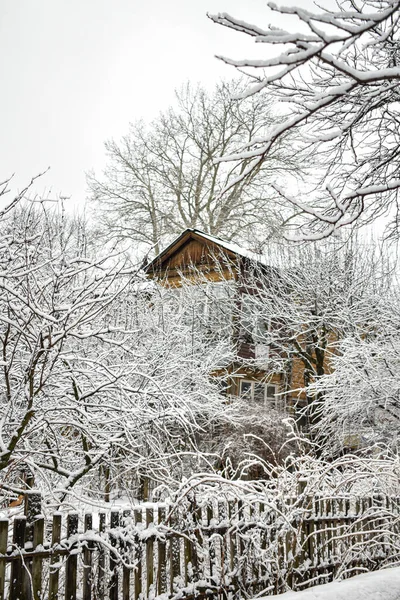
(258, 370)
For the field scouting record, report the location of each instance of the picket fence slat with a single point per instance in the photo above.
(3, 550)
(149, 552)
(37, 561)
(113, 585)
(87, 561)
(138, 517)
(174, 557)
(126, 571)
(101, 561)
(72, 560)
(17, 569)
(54, 571)
(162, 558)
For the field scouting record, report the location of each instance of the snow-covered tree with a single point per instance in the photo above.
(162, 177)
(99, 373)
(234, 445)
(337, 83)
(359, 403)
(297, 311)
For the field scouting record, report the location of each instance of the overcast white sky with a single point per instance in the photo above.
(74, 73)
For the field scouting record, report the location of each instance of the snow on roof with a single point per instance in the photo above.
(232, 247)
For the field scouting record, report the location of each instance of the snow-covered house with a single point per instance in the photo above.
(253, 373)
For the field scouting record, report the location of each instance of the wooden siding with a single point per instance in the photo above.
(191, 253)
(246, 350)
(173, 278)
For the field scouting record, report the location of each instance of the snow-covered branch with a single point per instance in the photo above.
(338, 88)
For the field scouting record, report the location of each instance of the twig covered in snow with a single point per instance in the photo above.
(339, 81)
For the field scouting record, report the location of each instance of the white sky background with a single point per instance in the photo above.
(74, 73)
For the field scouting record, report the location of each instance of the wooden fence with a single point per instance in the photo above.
(224, 547)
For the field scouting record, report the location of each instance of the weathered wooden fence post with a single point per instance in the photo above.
(32, 508)
(196, 539)
(137, 516)
(54, 572)
(224, 539)
(87, 561)
(310, 533)
(211, 541)
(149, 552)
(174, 557)
(72, 560)
(232, 537)
(37, 561)
(17, 566)
(3, 549)
(162, 558)
(101, 559)
(126, 548)
(113, 585)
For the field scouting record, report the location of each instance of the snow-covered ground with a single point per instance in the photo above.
(379, 585)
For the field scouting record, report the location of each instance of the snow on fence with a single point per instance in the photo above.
(227, 546)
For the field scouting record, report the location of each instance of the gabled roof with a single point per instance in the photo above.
(233, 250)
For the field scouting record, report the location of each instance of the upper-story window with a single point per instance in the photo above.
(254, 325)
(208, 306)
(215, 303)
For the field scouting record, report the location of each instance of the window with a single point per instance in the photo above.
(245, 388)
(255, 328)
(261, 354)
(262, 393)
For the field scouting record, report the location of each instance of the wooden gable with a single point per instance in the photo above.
(192, 250)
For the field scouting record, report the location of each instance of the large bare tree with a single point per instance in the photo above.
(339, 79)
(163, 177)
